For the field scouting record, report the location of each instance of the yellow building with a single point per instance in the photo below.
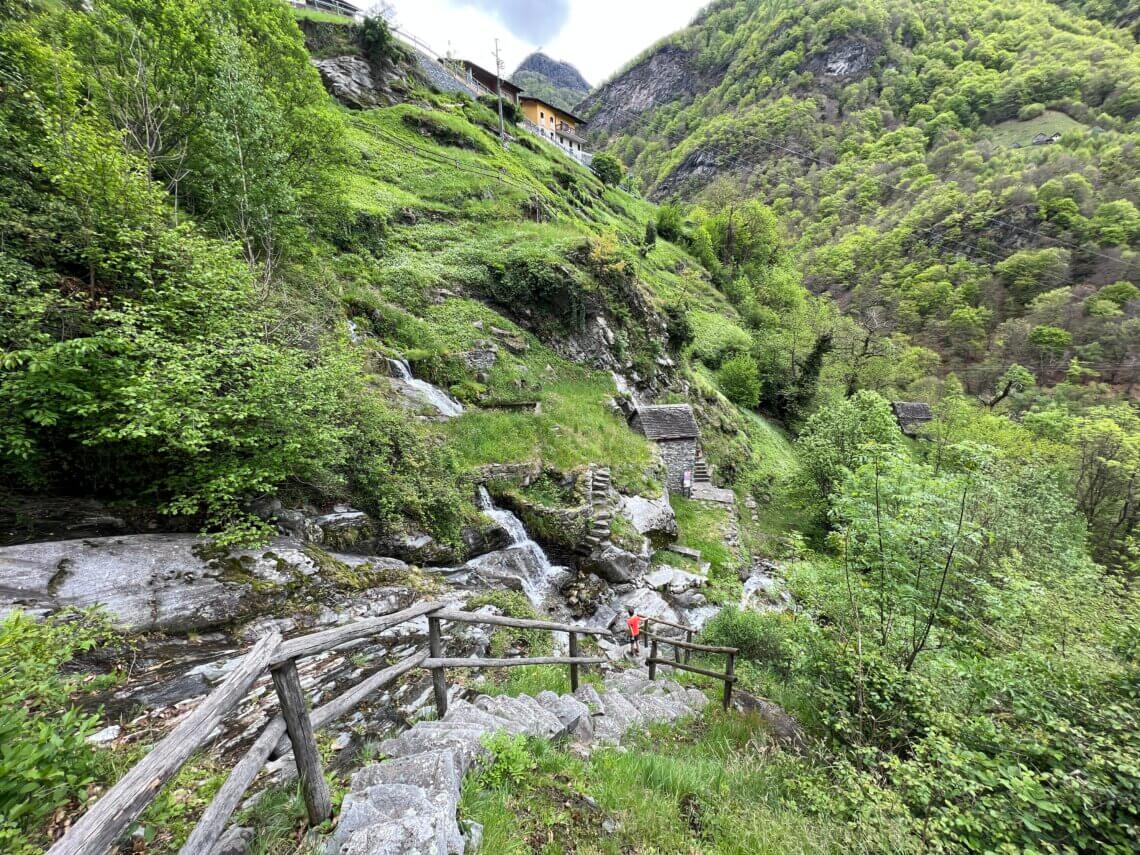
(556, 125)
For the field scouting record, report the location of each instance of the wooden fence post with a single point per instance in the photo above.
(729, 672)
(653, 659)
(438, 675)
(574, 667)
(676, 654)
(295, 711)
(689, 639)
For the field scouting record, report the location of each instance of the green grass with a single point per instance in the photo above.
(703, 526)
(1048, 123)
(323, 17)
(714, 785)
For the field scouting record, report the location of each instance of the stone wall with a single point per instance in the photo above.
(679, 455)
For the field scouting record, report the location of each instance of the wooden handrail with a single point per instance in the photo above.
(97, 830)
(521, 623)
(651, 620)
(108, 818)
(321, 642)
(475, 662)
(707, 648)
(672, 663)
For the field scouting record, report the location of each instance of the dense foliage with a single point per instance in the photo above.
(895, 141)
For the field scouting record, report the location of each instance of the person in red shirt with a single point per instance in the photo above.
(634, 623)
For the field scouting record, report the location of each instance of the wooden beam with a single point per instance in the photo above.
(99, 828)
(438, 675)
(319, 642)
(715, 674)
(295, 709)
(213, 822)
(707, 648)
(664, 622)
(574, 668)
(688, 650)
(652, 660)
(513, 663)
(520, 623)
(729, 672)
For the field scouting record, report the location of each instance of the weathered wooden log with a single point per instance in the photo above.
(688, 650)
(98, 829)
(573, 668)
(438, 675)
(475, 662)
(652, 660)
(681, 665)
(319, 642)
(707, 648)
(664, 622)
(520, 623)
(295, 709)
(213, 822)
(729, 672)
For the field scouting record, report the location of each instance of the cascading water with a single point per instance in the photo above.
(535, 570)
(422, 391)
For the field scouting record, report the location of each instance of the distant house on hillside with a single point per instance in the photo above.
(1046, 139)
(558, 126)
(912, 415)
(674, 429)
(479, 76)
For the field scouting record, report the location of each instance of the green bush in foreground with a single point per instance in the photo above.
(45, 762)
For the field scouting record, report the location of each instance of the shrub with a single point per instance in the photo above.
(739, 379)
(512, 113)
(45, 762)
(1030, 111)
(608, 168)
(670, 223)
(759, 635)
(378, 43)
(715, 338)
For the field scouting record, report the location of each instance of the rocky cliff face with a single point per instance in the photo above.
(667, 76)
(559, 83)
(560, 74)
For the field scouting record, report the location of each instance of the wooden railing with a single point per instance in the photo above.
(681, 651)
(106, 821)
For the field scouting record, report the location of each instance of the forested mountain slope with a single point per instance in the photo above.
(895, 141)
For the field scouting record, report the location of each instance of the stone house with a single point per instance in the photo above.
(673, 428)
(912, 415)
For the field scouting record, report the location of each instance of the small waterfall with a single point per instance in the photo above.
(536, 582)
(422, 391)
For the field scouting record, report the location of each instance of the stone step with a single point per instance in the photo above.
(535, 720)
(388, 817)
(588, 695)
(466, 742)
(469, 715)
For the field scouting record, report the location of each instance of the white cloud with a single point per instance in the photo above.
(597, 36)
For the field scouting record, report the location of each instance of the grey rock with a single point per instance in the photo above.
(784, 729)
(168, 582)
(616, 565)
(349, 80)
(107, 734)
(472, 836)
(235, 841)
(650, 516)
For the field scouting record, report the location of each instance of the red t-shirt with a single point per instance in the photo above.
(634, 624)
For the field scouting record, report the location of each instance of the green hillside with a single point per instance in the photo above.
(883, 136)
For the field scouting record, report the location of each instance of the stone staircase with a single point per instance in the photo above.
(701, 474)
(601, 510)
(407, 803)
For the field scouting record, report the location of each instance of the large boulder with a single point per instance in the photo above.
(653, 518)
(349, 79)
(170, 582)
(616, 565)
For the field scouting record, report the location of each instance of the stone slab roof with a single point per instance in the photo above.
(667, 421)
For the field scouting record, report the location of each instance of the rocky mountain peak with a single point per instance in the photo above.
(561, 74)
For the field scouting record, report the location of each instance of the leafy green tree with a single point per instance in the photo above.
(608, 168)
(670, 222)
(1032, 272)
(739, 379)
(844, 435)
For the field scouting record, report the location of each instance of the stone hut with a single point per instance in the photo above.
(912, 415)
(674, 429)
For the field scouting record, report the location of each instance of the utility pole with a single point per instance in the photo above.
(499, 88)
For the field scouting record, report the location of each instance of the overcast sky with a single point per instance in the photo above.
(597, 36)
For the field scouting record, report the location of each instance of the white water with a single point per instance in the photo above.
(423, 391)
(536, 581)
